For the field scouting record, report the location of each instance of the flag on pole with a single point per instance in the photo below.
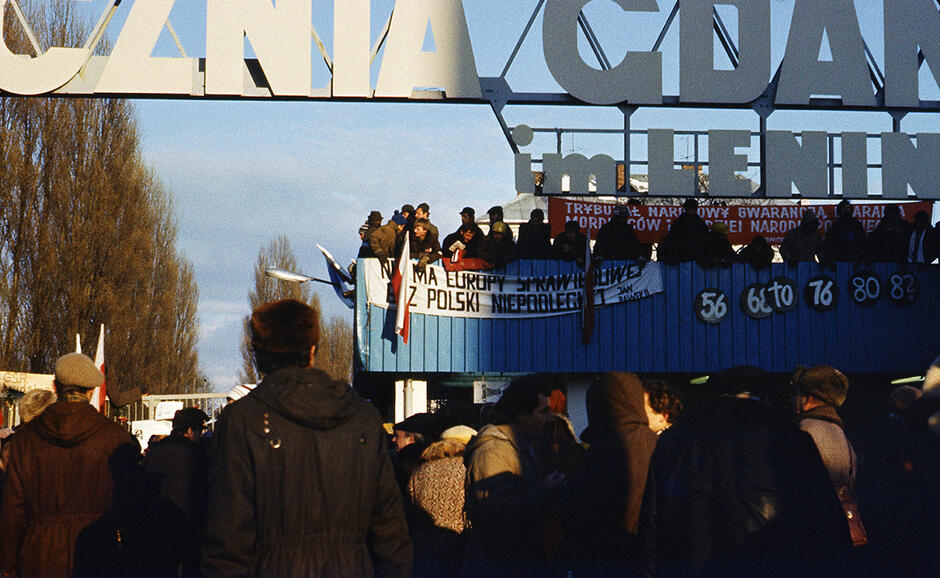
(98, 396)
(340, 280)
(401, 283)
(587, 304)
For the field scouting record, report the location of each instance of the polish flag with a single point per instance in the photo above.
(98, 396)
(401, 283)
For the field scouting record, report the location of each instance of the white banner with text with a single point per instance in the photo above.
(486, 295)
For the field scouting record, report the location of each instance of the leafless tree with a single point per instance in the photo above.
(334, 353)
(88, 236)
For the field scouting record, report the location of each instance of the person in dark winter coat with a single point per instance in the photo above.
(735, 490)
(535, 237)
(498, 247)
(845, 241)
(507, 502)
(686, 237)
(373, 222)
(301, 481)
(888, 242)
(803, 242)
(469, 236)
(65, 469)
(923, 242)
(616, 238)
(758, 253)
(601, 509)
(177, 468)
(569, 245)
(717, 251)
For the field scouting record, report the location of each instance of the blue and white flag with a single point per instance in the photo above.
(340, 280)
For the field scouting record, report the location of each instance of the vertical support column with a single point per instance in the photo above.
(627, 158)
(831, 141)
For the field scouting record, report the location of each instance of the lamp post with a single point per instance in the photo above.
(293, 277)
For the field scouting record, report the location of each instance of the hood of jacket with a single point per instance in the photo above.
(308, 397)
(68, 423)
(488, 433)
(614, 404)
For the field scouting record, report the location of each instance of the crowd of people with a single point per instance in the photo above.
(690, 238)
(745, 475)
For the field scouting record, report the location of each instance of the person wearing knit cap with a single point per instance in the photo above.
(66, 469)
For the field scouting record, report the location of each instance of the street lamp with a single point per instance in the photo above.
(285, 275)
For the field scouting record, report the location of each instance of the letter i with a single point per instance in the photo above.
(525, 183)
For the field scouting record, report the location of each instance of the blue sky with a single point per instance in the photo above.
(241, 173)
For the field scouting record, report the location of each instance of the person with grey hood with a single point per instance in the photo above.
(301, 482)
(601, 507)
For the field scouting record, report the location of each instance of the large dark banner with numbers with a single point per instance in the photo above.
(881, 318)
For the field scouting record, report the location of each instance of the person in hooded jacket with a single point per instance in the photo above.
(601, 507)
(301, 481)
(64, 471)
(735, 490)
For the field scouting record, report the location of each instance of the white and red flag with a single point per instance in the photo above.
(100, 393)
(401, 283)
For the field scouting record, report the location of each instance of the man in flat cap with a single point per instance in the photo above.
(64, 470)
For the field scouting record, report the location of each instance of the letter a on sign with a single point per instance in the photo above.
(405, 66)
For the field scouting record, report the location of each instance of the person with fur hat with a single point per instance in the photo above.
(435, 504)
(67, 469)
(818, 392)
(301, 481)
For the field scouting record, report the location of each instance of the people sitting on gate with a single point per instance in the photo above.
(758, 253)
(535, 237)
(617, 239)
(422, 244)
(888, 242)
(463, 244)
(687, 235)
(717, 251)
(845, 241)
(569, 245)
(498, 247)
(923, 243)
(803, 242)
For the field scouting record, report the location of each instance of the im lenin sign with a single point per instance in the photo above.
(284, 38)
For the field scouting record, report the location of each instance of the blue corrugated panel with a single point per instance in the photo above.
(662, 333)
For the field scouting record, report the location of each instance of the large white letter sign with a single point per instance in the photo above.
(791, 162)
(130, 67)
(854, 165)
(698, 80)
(665, 179)
(903, 165)
(44, 73)
(351, 51)
(638, 79)
(724, 163)
(909, 25)
(803, 75)
(451, 67)
(280, 37)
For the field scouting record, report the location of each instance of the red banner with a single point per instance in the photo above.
(651, 222)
